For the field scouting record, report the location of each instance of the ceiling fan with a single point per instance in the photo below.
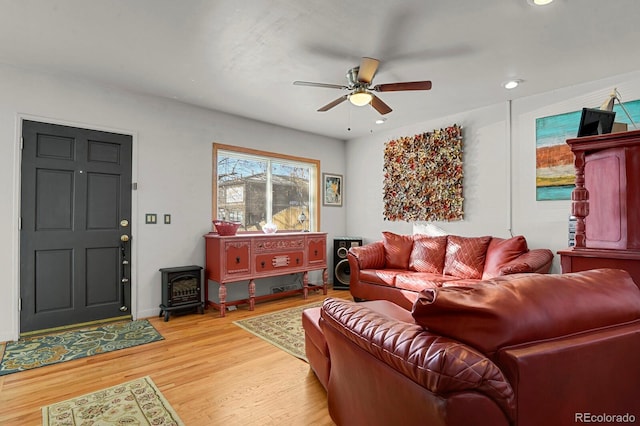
(360, 85)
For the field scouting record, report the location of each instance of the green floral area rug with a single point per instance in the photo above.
(281, 328)
(138, 402)
(38, 351)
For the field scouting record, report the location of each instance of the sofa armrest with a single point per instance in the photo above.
(536, 261)
(572, 369)
(439, 364)
(369, 256)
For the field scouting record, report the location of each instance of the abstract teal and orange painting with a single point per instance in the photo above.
(555, 173)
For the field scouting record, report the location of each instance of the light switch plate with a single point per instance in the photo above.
(167, 219)
(151, 218)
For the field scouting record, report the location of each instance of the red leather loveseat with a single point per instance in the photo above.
(520, 350)
(400, 266)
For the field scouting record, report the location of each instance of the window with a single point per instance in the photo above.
(256, 187)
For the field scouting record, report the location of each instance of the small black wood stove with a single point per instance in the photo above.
(181, 289)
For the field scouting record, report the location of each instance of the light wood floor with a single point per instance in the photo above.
(211, 371)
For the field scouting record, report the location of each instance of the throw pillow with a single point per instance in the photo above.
(502, 251)
(465, 256)
(516, 268)
(427, 254)
(397, 249)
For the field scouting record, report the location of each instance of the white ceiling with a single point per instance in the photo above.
(242, 56)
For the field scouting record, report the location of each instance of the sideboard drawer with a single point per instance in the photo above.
(316, 249)
(276, 244)
(236, 257)
(279, 262)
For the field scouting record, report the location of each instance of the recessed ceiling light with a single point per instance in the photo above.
(512, 84)
(381, 120)
(539, 2)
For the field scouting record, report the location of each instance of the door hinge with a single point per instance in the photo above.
(20, 223)
(20, 304)
(134, 186)
(21, 143)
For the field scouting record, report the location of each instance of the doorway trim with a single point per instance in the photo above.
(17, 168)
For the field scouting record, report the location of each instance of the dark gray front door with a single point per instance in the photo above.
(76, 197)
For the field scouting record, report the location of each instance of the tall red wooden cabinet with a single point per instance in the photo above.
(606, 204)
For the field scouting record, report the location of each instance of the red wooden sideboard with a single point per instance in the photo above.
(250, 256)
(606, 202)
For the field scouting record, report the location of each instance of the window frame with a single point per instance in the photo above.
(313, 222)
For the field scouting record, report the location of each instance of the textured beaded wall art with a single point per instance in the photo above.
(423, 177)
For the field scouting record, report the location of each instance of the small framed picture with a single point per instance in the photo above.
(332, 190)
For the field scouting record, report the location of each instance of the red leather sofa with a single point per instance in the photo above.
(525, 350)
(398, 267)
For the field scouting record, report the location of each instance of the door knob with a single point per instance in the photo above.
(124, 238)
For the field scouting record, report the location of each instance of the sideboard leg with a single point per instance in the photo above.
(325, 280)
(305, 284)
(252, 294)
(222, 295)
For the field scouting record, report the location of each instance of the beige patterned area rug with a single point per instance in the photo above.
(138, 402)
(281, 328)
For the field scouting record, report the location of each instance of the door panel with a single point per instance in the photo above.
(54, 199)
(54, 279)
(76, 190)
(104, 201)
(102, 266)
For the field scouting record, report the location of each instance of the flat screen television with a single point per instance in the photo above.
(595, 122)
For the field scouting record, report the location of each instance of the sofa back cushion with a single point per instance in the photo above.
(397, 249)
(465, 256)
(427, 254)
(523, 308)
(502, 251)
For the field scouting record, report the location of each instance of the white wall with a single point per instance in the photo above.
(485, 193)
(172, 165)
(499, 193)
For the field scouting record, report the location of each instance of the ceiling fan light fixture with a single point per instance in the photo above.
(360, 97)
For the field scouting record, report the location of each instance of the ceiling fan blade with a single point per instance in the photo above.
(330, 105)
(380, 106)
(327, 85)
(368, 68)
(409, 85)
